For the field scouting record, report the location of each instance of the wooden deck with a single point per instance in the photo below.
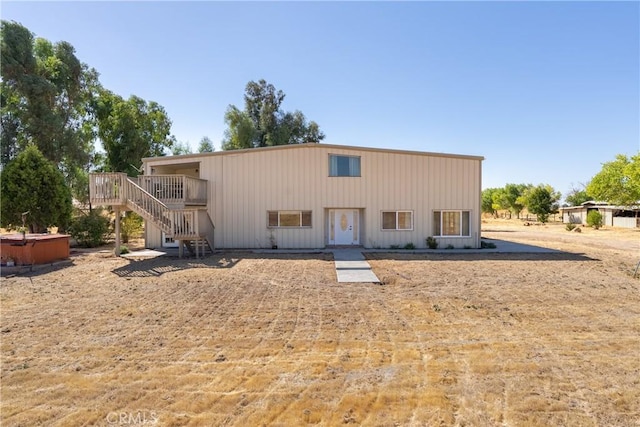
(173, 203)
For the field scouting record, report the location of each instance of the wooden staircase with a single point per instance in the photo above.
(190, 227)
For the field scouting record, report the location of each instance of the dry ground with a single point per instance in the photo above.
(244, 339)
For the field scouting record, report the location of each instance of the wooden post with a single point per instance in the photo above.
(117, 249)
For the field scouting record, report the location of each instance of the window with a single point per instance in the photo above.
(397, 220)
(344, 165)
(289, 219)
(451, 223)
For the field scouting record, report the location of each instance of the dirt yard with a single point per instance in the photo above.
(242, 339)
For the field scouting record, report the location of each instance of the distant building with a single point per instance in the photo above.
(613, 216)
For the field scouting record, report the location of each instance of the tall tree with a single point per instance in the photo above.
(577, 196)
(32, 185)
(241, 132)
(180, 148)
(131, 130)
(618, 182)
(542, 201)
(206, 146)
(513, 194)
(487, 203)
(262, 104)
(45, 100)
(262, 123)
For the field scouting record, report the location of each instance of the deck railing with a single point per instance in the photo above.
(108, 188)
(175, 189)
(147, 206)
(116, 189)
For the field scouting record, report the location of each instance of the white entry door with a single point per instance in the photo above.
(344, 226)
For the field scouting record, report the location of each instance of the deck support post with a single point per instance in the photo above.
(180, 248)
(117, 248)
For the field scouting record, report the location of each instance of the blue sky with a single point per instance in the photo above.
(545, 91)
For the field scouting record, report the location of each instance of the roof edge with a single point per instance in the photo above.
(313, 145)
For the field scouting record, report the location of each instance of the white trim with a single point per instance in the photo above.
(453, 236)
(290, 212)
(397, 222)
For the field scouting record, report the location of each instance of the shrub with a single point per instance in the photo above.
(432, 243)
(450, 246)
(570, 226)
(90, 230)
(31, 183)
(594, 219)
(410, 246)
(487, 245)
(124, 250)
(394, 247)
(130, 226)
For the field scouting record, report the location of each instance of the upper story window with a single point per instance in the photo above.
(344, 165)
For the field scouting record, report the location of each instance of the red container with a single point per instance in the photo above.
(34, 248)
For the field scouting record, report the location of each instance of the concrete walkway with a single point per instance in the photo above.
(351, 267)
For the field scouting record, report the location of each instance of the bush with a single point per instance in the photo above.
(432, 243)
(409, 246)
(130, 226)
(570, 226)
(31, 183)
(90, 230)
(487, 245)
(594, 219)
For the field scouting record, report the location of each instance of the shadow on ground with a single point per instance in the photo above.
(34, 270)
(157, 266)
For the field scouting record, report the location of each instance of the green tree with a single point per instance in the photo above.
(206, 146)
(31, 183)
(180, 148)
(487, 204)
(542, 201)
(500, 201)
(618, 182)
(45, 100)
(131, 130)
(241, 132)
(262, 123)
(513, 197)
(577, 196)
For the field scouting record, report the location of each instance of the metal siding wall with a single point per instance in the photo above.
(244, 186)
(153, 236)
